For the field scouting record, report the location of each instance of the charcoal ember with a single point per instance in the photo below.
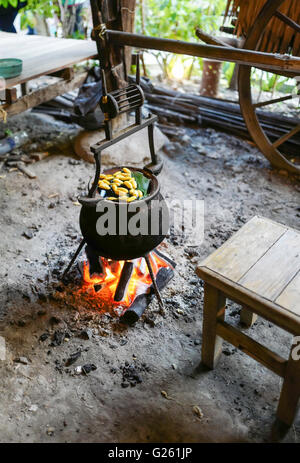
(42, 297)
(58, 366)
(86, 369)
(73, 357)
(86, 334)
(97, 288)
(28, 234)
(41, 312)
(21, 323)
(23, 360)
(130, 375)
(150, 319)
(74, 162)
(94, 260)
(229, 351)
(43, 337)
(57, 338)
(234, 313)
(55, 320)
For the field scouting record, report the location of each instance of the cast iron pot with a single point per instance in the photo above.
(125, 246)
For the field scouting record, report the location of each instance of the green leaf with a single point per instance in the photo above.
(142, 182)
(13, 3)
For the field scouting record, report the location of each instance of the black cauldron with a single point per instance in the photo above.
(136, 227)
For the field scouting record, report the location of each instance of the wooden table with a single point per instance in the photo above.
(43, 56)
(259, 268)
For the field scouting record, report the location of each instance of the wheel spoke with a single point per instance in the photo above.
(275, 100)
(288, 21)
(287, 136)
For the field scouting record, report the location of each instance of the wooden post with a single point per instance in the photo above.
(290, 392)
(214, 311)
(114, 59)
(247, 317)
(11, 95)
(288, 64)
(210, 78)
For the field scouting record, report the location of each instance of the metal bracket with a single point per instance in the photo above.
(130, 130)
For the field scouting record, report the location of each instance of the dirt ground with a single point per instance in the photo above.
(42, 399)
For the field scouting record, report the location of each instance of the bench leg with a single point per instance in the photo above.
(290, 392)
(214, 311)
(247, 317)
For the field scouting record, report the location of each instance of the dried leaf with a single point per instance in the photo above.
(198, 412)
(165, 395)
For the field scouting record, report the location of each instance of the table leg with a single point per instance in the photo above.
(214, 311)
(290, 392)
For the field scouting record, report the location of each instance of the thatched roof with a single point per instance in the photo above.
(277, 37)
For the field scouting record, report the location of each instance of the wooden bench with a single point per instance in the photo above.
(259, 268)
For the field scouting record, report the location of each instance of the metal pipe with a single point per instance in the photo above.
(259, 59)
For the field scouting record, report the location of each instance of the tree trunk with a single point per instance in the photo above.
(114, 59)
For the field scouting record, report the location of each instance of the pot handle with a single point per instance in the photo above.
(88, 202)
(154, 168)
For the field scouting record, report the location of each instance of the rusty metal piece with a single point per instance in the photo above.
(155, 287)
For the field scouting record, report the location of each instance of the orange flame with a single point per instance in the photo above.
(139, 282)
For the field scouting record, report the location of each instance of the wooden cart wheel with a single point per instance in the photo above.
(248, 107)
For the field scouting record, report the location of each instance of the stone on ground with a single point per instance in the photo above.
(132, 150)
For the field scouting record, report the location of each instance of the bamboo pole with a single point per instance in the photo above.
(268, 61)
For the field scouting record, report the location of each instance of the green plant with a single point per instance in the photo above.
(6, 3)
(228, 69)
(41, 7)
(269, 82)
(177, 19)
(46, 9)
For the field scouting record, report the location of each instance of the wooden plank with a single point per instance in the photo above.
(286, 136)
(44, 94)
(209, 39)
(234, 258)
(254, 349)
(43, 55)
(66, 73)
(290, 296)
(276, 268)
(288, 321)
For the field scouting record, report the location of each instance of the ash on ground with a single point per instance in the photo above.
(72, 374)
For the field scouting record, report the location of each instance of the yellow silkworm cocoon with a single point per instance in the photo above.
(104, 186)
(132, 198)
